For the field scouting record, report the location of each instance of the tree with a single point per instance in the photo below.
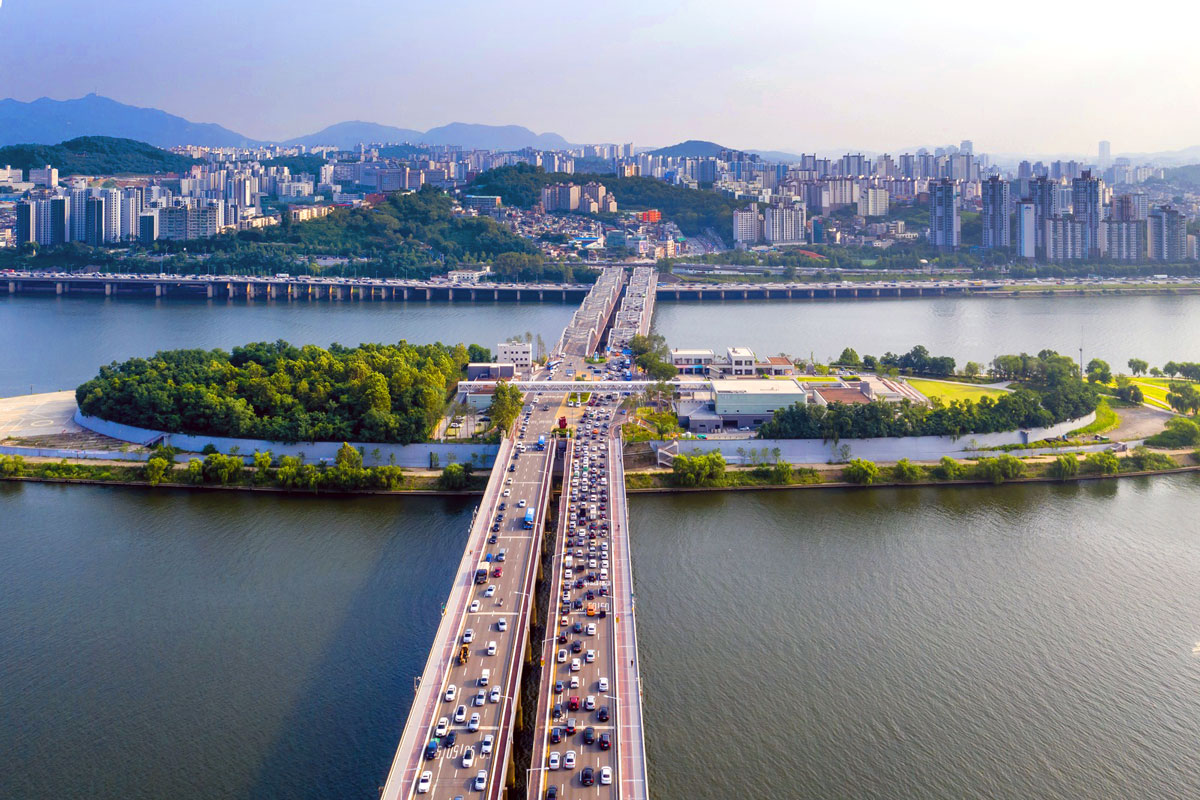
(1102, 463)
(699, 469)
(195, 471)
(506, 405)
(949, 470)
(262, 466)
(1184, 398)
(1138, 367)
(1098, 371)
(11, 466)
(972, 368)
(1180, 432)
(156, 470)
(999, 469)
(1065, 466)
(453, 477)
(861, 471)
(849, 358)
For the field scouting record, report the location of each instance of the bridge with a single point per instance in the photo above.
(824, 291)
(460, 733)
(229, 287)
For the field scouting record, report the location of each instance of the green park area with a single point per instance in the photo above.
(949, 391)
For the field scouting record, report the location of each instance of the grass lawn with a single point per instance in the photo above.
(1154, 390)
(952, 391)
(1106, 420)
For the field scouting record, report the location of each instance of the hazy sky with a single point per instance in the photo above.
(1020, 76)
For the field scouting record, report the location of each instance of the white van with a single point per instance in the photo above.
(604, 575)
(485, 677)
(569, 562)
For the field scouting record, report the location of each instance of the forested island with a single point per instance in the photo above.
(371, 393)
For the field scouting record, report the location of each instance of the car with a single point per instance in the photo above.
(605, 776)
(574, 682)
(589, 735)
(512, 467)
(572, 726)
(556, 735)
(468, 635)
(481, 780)
(576, 646)
(485, 748)
(605, 741)
(562, 656)
(431, 750)
(443, 725)
(425, 782)
(468, 757)
(489, 591)
(588, 776)
(495, 529)
(573, 703)
(480, 697)
(552, 793)
(569, 759)
(602, 714)
(498, 572)
(473, 723)
(577, 627)
(460, 713)
(502, 625)
(491, 648)
(558, 710)
(602, 684)
(558, 687)
(449, 739)
(494, 695)
(474, 608)
(554, 761)
(451, 693)
(589, 656)
(561, 638)
(589, 702)
(504, 506)
(521, 503)
(493, 539)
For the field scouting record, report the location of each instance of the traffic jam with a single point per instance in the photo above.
(582, 724)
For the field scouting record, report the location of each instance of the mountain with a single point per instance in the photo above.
(95, 155)
(347, 135)
(493, 137)
(692, 148)
(45, 120)
(776, 156)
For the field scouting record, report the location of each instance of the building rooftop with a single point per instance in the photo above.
(757, 386)
(841, 394)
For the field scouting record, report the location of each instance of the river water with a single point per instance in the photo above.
(1012, 642)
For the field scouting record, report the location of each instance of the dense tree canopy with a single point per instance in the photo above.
(96, 155)
(370, 393)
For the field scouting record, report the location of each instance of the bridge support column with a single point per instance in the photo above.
(429, 294)
(249, 291)
(108, 290)
(159, 290)
(272, 291)
(209, 291)
(58, 287)
(404, 293)
(518, 295)
(541, 294)
(564, 295)
(12, 287)
(472, 295)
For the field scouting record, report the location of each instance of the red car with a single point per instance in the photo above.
(497, 572)
(573, 703)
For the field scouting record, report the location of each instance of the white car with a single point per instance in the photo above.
(486, 747)
(589, 702)
(591, 629)
(589, 656)
(569, 760)
(502, 625)
(575, 665)
(474, 609)
(451, 693)
(468, 635)
(506, 492)
(425, 782)
(443, 727)
(489, 591)
(468, 757)
(605, 776)
(562, 656)
(481, 780)
(460, 713)
(495, 694)
(473, 723)
(603, 684)
(574, 681)
(480, 697)
(521, 504)
(491, 648)
(555, 760)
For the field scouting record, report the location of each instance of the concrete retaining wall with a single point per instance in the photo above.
(413, 456)
(62, 452)
(917, 448)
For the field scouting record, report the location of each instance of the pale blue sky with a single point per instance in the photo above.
(1019, 76)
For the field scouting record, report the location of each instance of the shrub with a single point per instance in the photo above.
(195, 471)
(1065, 466)
(1102, 463)
(453, 477)
(699, 469)
(1143, 459)
(906, 472)
(11, 466)
(949, 470)
(1180, 432)
(999, 469)
(861, 471)
(221, 469)
(156, 470)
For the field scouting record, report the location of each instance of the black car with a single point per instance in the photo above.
(577, 604)
(576, 646)
(552, 793)
(602, 715)
(589, 735)
(588, 776)
(496, 528)
(558, 687)
(562, 639)
(493, 539)
(605, 741)
(558, 711)
(503, 506)
(577, 627)
(556, 735)
(512, 467)
(448, 739)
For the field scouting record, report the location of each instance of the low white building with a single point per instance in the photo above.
(519, 354)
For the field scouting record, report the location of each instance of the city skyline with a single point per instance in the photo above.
(883, 80)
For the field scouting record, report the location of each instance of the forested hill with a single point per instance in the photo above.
(693, 210)
(95, 155)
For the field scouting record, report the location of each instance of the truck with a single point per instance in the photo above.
(481, 572)
(528, 523)
(541, 445)
(464, 654)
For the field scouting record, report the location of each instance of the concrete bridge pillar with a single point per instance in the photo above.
(341, 293)
(472, 295)
(12, 287)
(209, 291)
(249, 291)
(58, 287)
(404, 293)
(854, 292)
(541, 294)
(272, 291)
(812, 293)
(108, 290)
(745, 294)
(159, 290)
(450, 294)
(722, 294)
(428, 293)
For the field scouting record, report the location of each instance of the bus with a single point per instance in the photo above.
(528, 523)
